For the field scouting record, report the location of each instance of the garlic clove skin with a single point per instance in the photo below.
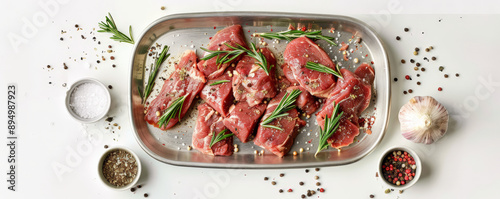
(423, 120)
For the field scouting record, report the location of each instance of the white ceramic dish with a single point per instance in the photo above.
(72, 89)
(418, 171)
(103, 179)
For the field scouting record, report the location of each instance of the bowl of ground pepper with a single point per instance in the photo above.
(119, 168)
(399, 167)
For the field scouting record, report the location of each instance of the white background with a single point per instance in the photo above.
(464, 164)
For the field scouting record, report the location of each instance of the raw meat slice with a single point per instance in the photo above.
(283, 84)
(243, 118)
(345, 134)
(250, 81)
(220, 96)
(289, 74)
(366, 73)
(232, 36)
(297, 53)
(305, 102)
(277, 141)
(208, 124)
(352, 95)
(185, 80)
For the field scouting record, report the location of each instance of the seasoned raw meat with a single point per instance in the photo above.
(353, 96)
(277, 141)
(366, 73)
(185, 80)
(250, 81)
(220, 96)
(297, 53)
(231, 35)
(289, 74)
(305, 102)
(243, 118)
(208, 124)
(345, 134)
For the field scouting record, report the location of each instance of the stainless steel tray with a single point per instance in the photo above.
(193, 30)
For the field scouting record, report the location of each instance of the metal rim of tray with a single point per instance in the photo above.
(264, 166)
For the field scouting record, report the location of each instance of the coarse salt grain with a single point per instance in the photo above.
(88, 100)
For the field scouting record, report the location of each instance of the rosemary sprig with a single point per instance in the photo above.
(152, 75)
(324, 69)
(330, 127)
(293, 34)
(286, 104)
(173, 110)
(219, 82)
(110, 27)
(219, 137)
(230, 55)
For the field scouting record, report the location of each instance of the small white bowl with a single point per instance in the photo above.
(417, 163)
(101, 162)
(75, 115)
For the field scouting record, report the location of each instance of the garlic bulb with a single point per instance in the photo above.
(423, 120)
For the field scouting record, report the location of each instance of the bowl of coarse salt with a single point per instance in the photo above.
(88, 100)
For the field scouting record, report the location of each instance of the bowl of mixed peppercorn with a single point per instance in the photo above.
(399, 167)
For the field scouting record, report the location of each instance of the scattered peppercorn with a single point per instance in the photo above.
(387, 191)
(316, 177)
(139, 186)
(290, 190)
(418, 75)
(162, 8)
(445, 75)
(273, 183)
(441, 68)
(418, 83)
(65, 66)
(407, 29)
(266, 178)
(76, 26)
(105, 146)
(281, 190)
(433, 58)
(372, 196)
(410, 91)
(401, 191)
(415, 68)
(415, 52)
(427, 50)
(440, 89)
(146, 195)
(318, 183)
(412, 61)
(321, 190)
(112, 57)
(301, 183)
(418, 64)
(417, 49)
(61, 39)
(403, 61)
(110, 87)
(98, 61)
(398, 38)
(132, 189)
(303, 196)
(457, 74)
(48, 66)
(317, 169)
(404, 92)
(422, 69)
(395, 79)
(407, 77)
(307, 170)
(114, 65)
(282, 175)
